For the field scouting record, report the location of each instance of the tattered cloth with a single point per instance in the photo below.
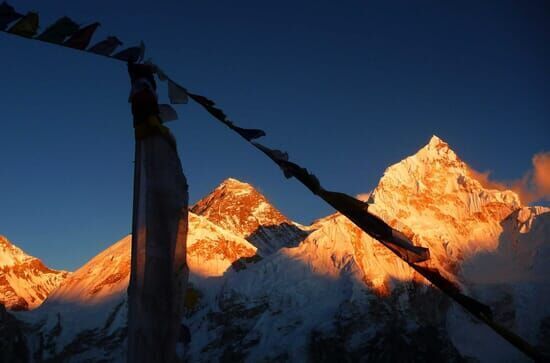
(159, 233)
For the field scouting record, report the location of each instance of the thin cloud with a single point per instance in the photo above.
(532, 187)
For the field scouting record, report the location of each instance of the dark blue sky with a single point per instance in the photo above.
(347, 88)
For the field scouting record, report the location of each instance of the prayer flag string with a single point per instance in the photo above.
(66, 33)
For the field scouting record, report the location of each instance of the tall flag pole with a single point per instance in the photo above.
(159, 271)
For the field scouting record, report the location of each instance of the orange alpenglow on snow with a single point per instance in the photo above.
(335, 274)
(25, 282)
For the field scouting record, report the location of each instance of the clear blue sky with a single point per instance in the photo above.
(347, 88)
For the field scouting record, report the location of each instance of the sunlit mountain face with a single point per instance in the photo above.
(264, 288)
(24, 280)
(241, 209)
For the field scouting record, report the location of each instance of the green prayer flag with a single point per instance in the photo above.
(27, 26)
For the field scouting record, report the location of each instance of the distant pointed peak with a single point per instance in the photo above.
(236, 187)
(436, 141)
(235, 182)
(437, 172)
(437, 149)
(28, 281)
(238, 207)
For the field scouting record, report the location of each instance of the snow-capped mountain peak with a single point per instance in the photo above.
(10, 254)
(433, 196)
(238, 187)
(437, 148)
(329, 292)
(24, 280)
(238, 207)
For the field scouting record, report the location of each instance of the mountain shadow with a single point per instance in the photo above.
(13, 344)
(269, 239)
(304, 314)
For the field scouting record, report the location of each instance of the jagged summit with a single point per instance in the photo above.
(438, 149)
(436, 169)
(236, 183)
(10, 254)
(238, 207)
(235, 187)
(434, 195)
(436, 140)
(24, 280)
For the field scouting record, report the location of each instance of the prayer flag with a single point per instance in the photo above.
(176, 93)
(106, 47)
(27, 26)
(82, 37)
(58, 31)
(167, 113)
(7, 15)
(132, 54)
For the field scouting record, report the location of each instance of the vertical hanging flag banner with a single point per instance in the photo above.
(159, 271)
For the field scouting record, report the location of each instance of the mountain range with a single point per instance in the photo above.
(265, 288)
